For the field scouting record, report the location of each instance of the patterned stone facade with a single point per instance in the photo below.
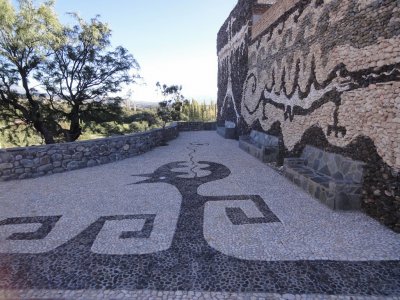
(232, 45)
(324, 73)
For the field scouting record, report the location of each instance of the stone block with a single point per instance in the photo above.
(19, 171)
(38, 174)
(25, 176)
(4, 166)
(328, 189)
(5, 157)
(104, 160)
(57, 164)
(227, 133)
(92, 163)
(58, 170)
(45, 168)
(9, 177)
(262, 146)
(344, 201)
(56, 157)
(41, 154)
(73, 165)
(6, 172)
(77, 156)
(45, 160)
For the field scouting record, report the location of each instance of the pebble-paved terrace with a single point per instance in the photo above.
(203, 220)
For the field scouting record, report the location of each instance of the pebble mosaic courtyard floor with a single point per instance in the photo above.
(198, 219)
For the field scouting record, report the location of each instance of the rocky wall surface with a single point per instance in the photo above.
(232, 46)
(31, 162)
(327, 73)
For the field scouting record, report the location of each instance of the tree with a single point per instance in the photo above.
(85, 75)
(170, 109)
(26, 39)
(203, 112)
(75, 67)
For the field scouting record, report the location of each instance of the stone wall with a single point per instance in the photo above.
(327, 73)
(232, 46)
(31, 162)
(197, 126)
(272, 15)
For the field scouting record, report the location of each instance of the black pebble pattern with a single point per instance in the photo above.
(190, 264)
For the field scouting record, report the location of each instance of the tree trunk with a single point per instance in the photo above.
(34, 113)
(47, 135)
(75, 129)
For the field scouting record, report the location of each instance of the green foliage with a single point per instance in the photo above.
(171, 108)
(79, 75)
(129, 121)
(194, 111)
(28, 34)
(176, 107)
(26, 38)
(18, 134)
(75, 66)
(146, 116)
(7, 15)
(85, 74)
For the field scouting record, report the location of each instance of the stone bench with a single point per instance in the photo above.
(261, 145)
(331, 178)
(228, 131)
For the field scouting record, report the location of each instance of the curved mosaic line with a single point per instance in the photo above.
(190, 261)
(324, 73)
(320, 93)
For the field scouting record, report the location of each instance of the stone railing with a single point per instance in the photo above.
(31, 162)
(197, 126)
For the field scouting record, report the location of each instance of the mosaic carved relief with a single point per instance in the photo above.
(200, 249)
(232, 46)
(331, 64)
(324, 73)
(235, 43)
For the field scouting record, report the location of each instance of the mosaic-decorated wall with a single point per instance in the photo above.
(325, 73)
(232, 46)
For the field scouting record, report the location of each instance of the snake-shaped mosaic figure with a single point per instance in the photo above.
(190, 263)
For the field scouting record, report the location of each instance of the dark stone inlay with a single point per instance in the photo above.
(144, 233)
(48, 224)
(357, 81)
(190, 263)
(237, 216)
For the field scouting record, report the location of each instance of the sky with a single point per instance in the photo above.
(174, 41)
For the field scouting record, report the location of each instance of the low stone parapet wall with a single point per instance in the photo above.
(31, 162)
(197, 126)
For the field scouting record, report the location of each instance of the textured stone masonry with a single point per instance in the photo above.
(174, 295)
(196, 126)
(272, 16)
(31, 162)
(197, 216)
(324, 73)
